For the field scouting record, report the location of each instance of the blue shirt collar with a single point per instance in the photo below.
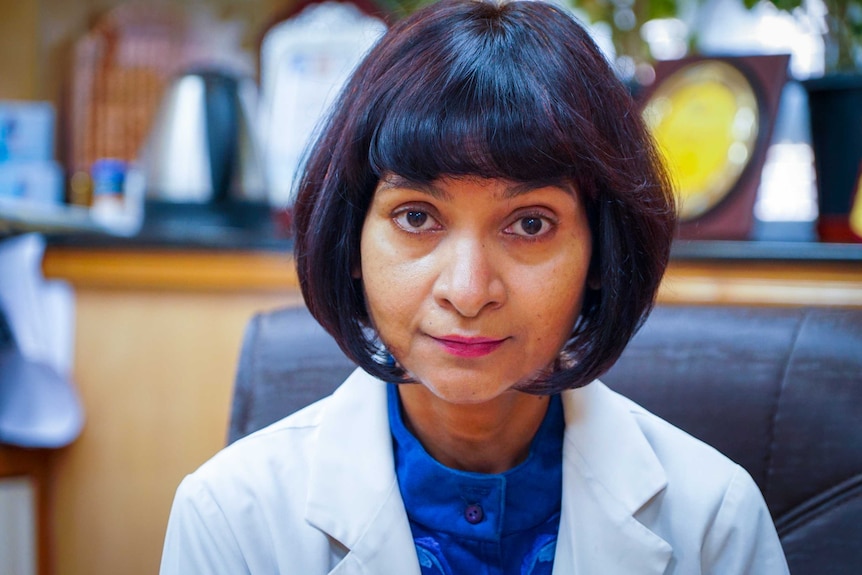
(521, 498)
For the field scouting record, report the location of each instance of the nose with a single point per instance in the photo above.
(469, 280)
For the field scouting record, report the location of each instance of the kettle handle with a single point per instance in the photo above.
(222, 121)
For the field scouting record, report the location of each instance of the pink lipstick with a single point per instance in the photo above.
(468, 346)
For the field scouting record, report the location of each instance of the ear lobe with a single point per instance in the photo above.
(594, 282)
(356, 273)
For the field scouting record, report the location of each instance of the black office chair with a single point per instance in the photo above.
(778, 390)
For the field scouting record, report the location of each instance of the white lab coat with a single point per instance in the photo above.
(316, 493)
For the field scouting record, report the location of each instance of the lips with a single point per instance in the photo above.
(460, 346)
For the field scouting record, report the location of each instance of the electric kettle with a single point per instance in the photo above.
(203, 147)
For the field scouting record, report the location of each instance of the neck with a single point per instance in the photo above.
(491, 437)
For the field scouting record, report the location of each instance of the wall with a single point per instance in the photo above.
(20, 74)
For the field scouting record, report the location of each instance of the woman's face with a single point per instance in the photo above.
(473, 284)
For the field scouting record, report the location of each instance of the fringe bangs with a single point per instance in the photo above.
(485, 118)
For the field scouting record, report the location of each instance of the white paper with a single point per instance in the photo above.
(40, 313)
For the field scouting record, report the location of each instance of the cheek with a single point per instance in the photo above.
(554, 296)
(381, 298)
(378, 291)
(558, 311)
(570, 290)
(391, 310)
(389, 282)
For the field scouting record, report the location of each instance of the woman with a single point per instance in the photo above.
(482, 226)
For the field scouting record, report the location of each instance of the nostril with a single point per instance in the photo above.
(470, 295)
(469, 279)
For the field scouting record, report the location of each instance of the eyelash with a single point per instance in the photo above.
(548, 225)
(400, 215)
(406, 211)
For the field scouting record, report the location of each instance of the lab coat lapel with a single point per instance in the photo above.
(353, 492)
(609, 473)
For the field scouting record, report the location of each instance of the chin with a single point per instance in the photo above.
(470, 393)
(474, 386)
(469, 396)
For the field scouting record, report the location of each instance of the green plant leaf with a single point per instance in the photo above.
(662, 9)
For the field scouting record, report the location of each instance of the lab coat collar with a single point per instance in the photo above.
(353, 490)
(609, 473)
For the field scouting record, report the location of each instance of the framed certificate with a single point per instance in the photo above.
(305, 59)
(712, 119)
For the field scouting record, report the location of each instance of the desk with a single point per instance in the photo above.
(157, 339)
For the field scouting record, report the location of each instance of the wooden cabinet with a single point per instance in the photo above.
(157, 340)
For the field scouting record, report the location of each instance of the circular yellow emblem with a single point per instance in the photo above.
(705, 119)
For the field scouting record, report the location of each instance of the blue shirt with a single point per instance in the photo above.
(477, 523)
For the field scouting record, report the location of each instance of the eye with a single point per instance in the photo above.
(531, 226)
(415, 220)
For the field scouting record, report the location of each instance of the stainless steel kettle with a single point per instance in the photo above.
(203, 145)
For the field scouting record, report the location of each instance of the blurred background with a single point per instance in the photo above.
(107, 77)
(148, 152)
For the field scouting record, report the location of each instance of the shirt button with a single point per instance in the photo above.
(474, 514)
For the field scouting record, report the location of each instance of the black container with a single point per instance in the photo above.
(835, 103)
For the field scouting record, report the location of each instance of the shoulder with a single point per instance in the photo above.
(711, 511)
(293, 428)
(272, 465)
(616, 437)
(696, 472)
(244, 508)
(681, 454)
(247, 508)
(254, 470)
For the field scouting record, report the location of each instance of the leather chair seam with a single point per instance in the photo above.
(776, 402)
(826, 501)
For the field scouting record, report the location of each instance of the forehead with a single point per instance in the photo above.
(443, 187)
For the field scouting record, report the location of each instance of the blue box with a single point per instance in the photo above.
(26, 131)
(32, 182)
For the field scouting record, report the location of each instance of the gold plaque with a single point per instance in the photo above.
(856, 208)
(705, 119)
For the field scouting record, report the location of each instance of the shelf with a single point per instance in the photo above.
(764, 273)
(238, 226)
(773, 251)
(728, 276)
(177, 270)
(18, 217)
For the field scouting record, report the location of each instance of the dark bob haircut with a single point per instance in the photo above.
(513, 90)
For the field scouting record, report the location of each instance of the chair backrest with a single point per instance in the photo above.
(287, 362)
(779, 390)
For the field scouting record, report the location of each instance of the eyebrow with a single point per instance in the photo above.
(525, 187)
(395, 181)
